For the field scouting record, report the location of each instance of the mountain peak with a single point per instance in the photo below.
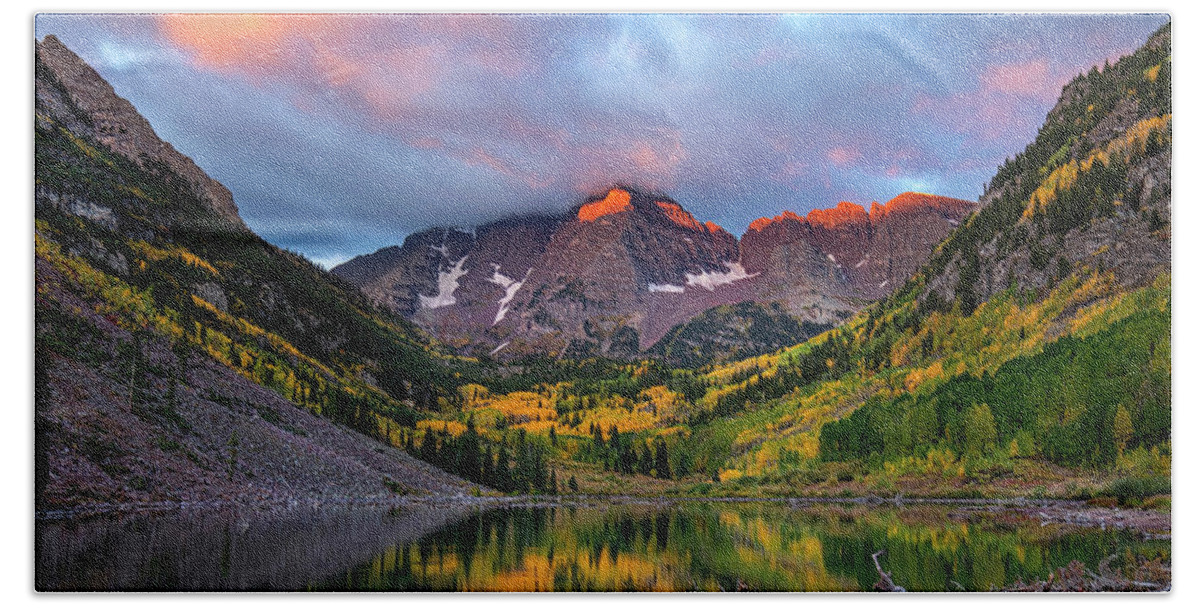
(844, 214)
(620, 199)
(920, 200)
(616, 201)
(759, 224)
(680, 216)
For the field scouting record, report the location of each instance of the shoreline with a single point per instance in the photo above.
(1154, 524)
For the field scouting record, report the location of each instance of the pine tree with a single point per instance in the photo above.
(552, 489)
(662, 461)
(504, 479)
(645, 460)
(967, 279)
(523, 471)
(684, 468)
(572, 484)
(469, 466)
(628, 457)
(487, 471)
(540, 469)
(553, 436)
(428, 450)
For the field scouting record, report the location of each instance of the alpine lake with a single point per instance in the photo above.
(585, 545)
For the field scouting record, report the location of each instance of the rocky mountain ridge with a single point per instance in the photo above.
(86, 104)
(1091, 193)
(625, 267)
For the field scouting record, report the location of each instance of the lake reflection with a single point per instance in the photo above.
(727, 546)
(704, 546)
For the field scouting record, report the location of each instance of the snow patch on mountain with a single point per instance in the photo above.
(510, 287)
(712, 280)
(447, 283)
(667, 288)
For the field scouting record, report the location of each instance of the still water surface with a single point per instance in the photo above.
(706, 546)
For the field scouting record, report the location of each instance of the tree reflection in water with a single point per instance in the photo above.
(727, 546)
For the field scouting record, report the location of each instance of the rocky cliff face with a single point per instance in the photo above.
(624, 268)
(847, 251)
(71, 91)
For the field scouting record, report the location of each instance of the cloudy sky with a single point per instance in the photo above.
(341, 134)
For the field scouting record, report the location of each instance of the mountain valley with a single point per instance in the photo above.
(927, 346)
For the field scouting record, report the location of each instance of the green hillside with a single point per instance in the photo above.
(1030, 355)
(731, 332)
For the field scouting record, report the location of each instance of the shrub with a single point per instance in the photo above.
(1127, 489)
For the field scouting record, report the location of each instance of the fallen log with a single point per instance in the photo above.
(885, 578)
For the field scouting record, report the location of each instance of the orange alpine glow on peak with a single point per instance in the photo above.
(680, 216)
(762, 222)
(877, 211)
(915, 200)
(844, 214)
(618, 200)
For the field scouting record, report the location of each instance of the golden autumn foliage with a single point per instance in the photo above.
(156, 254)
(1064, 176)
(254, 353)
(663, 403)
(1152, 72)
(918, 377)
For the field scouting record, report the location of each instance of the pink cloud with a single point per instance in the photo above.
(791, 170)
(843, 156)
(1028, 79)
(385, 63)
(651, 159)
(999, 108)
(248, 43)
